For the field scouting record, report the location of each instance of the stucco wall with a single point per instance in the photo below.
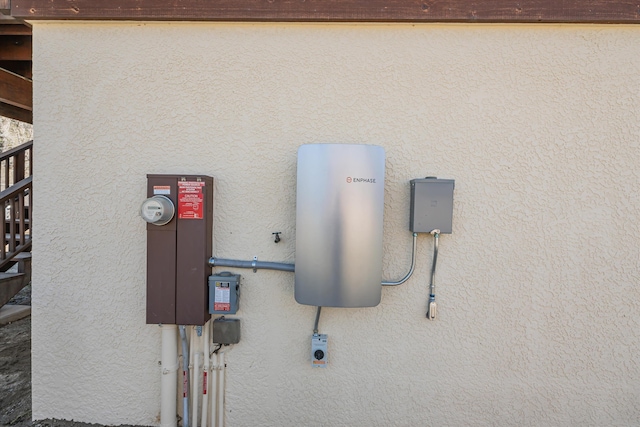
(539, 304)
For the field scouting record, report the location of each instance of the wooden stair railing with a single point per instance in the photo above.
(16, 164)
(15, 199)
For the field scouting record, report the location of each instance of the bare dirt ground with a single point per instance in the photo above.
(15, 374)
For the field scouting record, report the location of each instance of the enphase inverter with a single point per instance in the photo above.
(339, 218)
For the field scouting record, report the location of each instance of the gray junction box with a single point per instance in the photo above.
(431, 205)
(226, 331)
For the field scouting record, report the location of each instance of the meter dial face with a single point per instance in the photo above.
(157, 210)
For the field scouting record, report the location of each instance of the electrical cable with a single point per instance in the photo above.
(431, 310)
(217, 349)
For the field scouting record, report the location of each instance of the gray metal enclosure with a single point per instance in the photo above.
(339, 208)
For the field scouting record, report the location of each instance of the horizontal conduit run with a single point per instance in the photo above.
(281, 266)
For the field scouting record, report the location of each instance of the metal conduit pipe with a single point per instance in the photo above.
(263, 265)
(413, 265)
(315, 325)
(185, 376)
(281, 266)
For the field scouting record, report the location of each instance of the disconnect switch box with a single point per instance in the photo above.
(224, 293)
(431, 205)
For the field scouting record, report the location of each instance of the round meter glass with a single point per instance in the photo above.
(157, 210)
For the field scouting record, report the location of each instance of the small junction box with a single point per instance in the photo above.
(431, 205)
(226, 331)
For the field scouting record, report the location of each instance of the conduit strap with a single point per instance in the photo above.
(166, 371)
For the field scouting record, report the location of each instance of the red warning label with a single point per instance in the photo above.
(204, 382)
(190, 200)
(218, 306)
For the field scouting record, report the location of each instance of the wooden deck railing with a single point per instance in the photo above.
(16, 170)
(15, 202)
(16, 164)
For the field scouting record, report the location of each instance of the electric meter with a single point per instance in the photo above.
(157, 210)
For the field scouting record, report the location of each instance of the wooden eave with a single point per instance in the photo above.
(16, 87)
(490, 11)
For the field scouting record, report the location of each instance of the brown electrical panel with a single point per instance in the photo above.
(178, 252)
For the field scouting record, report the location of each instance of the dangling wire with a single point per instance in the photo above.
(431, 311)
(216, 350)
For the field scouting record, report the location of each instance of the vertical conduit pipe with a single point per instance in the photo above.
(205, 376)
(194, 389)
(169, 380)
(185, 377)
(221, 391)
(214, 391)
(192, 368)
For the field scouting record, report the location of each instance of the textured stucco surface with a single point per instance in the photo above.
(539, 304)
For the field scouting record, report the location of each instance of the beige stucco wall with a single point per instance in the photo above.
(539, 303)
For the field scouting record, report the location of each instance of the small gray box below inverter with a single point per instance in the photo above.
(226, 331)
(431, 205)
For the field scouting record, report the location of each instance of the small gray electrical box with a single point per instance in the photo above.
(431, 205)
(319, 350)
(224, 293)
(226, 331)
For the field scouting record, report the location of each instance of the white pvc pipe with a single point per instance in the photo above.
(205, 377)
(169, 380)
(194, 389)
(214, 391)
(221, 392)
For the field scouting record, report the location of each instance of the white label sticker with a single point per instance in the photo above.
(161, 189)
(222, 297)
